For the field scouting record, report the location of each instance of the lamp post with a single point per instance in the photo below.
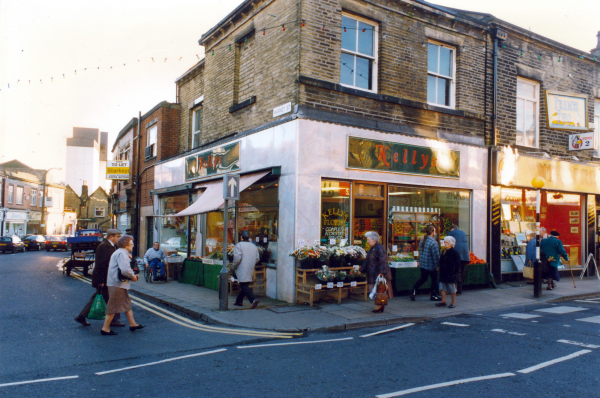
(45, 228)
(538, 183)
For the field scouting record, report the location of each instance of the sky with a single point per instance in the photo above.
(105, 48)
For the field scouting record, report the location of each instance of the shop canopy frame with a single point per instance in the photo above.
(212, 197)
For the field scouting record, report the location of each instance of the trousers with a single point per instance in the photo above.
(155, 263)
(461, 276)
(245, 290)
(425, 273)
(86, 310)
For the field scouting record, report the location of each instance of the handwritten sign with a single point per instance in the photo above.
(353, 284)
(340, 284)
(329, 285)
(318, 286)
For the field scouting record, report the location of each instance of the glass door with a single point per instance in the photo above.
(369, 212)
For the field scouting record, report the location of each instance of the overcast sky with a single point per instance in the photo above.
(42, 40)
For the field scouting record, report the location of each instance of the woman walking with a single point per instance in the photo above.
(118, 290)
(449, 269)
(376, 264)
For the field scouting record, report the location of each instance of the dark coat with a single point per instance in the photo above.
(103, 253)
(375, 264)
(462, 244)
(449, 266)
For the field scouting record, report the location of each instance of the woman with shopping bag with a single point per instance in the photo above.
(377, 270)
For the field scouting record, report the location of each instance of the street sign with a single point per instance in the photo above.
(231, 187)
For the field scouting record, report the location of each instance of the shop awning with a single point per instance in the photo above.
(212, 198)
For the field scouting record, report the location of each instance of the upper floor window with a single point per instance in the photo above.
(19, 198)
(100, 212)
(11, 190)
(124, 152)
(527, 113)
(440, 75)
(196, 123)
(152, 141)
(596, 128)
(358, 67)
(34, 197)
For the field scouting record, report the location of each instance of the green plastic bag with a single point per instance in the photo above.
(98, 310)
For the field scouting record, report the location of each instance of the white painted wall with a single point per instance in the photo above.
(83, 164)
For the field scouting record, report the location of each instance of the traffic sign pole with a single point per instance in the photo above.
(231, 191)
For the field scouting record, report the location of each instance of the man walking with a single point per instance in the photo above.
(156, 258)
(429, 262)
(245, 257)
(462, 247)
(103, 253)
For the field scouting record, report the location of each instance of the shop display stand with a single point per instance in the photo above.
(405, 227)
(258, 285)
(307, 293)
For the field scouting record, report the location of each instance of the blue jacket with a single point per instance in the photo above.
(429, 254)
(462, 244)
(530, 253)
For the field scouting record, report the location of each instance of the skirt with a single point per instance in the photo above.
(118, 300)
(448, 287)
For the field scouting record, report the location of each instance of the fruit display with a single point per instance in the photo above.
(474, 259)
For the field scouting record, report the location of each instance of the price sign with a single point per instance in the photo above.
(232, 279)
(416, 254)
(300, 242)
(394, 248)
(265, 240)
(340, 284)
(356, 267)
(329, 285)
(332, 241)
(317, 242)
(257, 239)
(343, 242)
(318, 286)
(353, 284)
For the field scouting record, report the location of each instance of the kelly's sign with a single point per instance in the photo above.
(402, 158)
(215, 161)
(566, 111)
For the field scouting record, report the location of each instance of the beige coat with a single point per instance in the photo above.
(245, 257)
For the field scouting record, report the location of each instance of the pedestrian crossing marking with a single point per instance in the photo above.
(519, 315)
(506, 331)
(562, 310)
(593, 319)
(577, 343)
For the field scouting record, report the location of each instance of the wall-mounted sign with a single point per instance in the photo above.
(402, 158)
(581, 141)
(117, 170)
(566, 111)
(215, 161)
(121, 205)
(282, 109)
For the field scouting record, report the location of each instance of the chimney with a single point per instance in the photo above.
(84, 190)
(596, 51)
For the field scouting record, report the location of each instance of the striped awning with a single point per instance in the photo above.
(212, 197)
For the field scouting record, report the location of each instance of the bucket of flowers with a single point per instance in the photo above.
(356, 275)
(325, 275)
(306, 255)
(354, 253)
(337, 257)
(340, 276)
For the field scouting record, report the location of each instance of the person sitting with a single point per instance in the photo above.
(156, 258)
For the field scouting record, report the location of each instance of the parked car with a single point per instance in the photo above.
(11, 244)
(57, 243)
(175, 243)
(35, 242)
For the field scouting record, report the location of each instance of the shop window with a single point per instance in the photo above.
(359, 54)
(33, 197)
(173, 230)
(527, 112)
(440, 75)
(564, 213)
(597, 128)
(411, 210)
(369, 202)
(19, 198)
(214, 231)
(335, 211)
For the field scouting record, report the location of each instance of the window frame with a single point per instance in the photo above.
(439, 76)
(33, 198)
(596, 127)
(537, 107)
(103, 213)
(19, 197)
(374, 58)
(11, 194)
(196, 108)
(152, 138)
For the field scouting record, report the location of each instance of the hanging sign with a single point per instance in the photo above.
(581, 141)
(117, 170)
(566, 111)
(402, 158)
(212, 162)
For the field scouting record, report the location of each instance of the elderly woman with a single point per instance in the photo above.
(118, 294)
(449, 268)
(376, 264)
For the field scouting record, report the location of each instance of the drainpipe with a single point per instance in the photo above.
(136, 230)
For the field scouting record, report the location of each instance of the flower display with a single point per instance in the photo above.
(356, 275)
(355, 252)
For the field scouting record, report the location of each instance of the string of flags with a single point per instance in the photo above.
(303, 23)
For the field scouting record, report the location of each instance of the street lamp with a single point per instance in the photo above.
(538, 183)
(45, 228)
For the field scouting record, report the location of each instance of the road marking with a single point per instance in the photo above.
(562, 310)
(455, 324)
(241, 347)
(520, 315)
(506, 331)
(388, 330)
(163, 361)
(552, 362)
(593, 319)
(578, 344)
(447, 384)
(38, 381)
(590, 301)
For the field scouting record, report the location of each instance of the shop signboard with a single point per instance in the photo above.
(220, 160)
(121, 205)
(581, 141)
(117, 170)
(35, 216)
(395, 157)
(566, 111)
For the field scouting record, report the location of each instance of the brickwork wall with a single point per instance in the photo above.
(246, 61)
(27, 190)
(190, 88)
(99, 200)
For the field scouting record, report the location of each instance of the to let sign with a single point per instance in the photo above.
(117, 170)
(402, 158)
(231, 187)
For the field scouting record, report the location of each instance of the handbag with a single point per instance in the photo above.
(134, 267)
(381, 295)
(98, 310)
(528, 272)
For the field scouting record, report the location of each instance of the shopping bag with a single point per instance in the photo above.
(528, 272)
(98, 310)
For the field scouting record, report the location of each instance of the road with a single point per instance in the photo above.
(538, 351)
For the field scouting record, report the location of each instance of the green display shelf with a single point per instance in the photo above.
(211, 276)
(193, 273)
(405, 278)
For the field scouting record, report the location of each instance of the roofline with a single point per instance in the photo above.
(200, 63)
(227, 18)
(162, 104)
(132, 123)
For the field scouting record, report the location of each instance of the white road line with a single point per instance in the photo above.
(37, 381)
(163, 361)
(462, 325)
(388, 330)
(578, 344)
(552, 362)
(241, 347)
(506, 331)
(447, 384)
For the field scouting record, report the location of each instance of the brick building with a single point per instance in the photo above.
(122, 192)
(91, 211)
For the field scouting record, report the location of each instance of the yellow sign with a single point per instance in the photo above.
(566, 111)
(117, 170)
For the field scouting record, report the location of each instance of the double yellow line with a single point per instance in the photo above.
(188, 323)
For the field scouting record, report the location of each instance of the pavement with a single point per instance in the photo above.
(202, 303)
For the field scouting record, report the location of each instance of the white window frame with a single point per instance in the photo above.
(19, 196)
(102, 212)
(34, 197)
(536, 99)
(194, 131)
(124, 152)
(452, 78)
(11, 191)
(596, 128)
(152, 137)
(373, 58)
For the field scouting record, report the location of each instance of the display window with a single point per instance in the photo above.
(335, 212)
(174, 230)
